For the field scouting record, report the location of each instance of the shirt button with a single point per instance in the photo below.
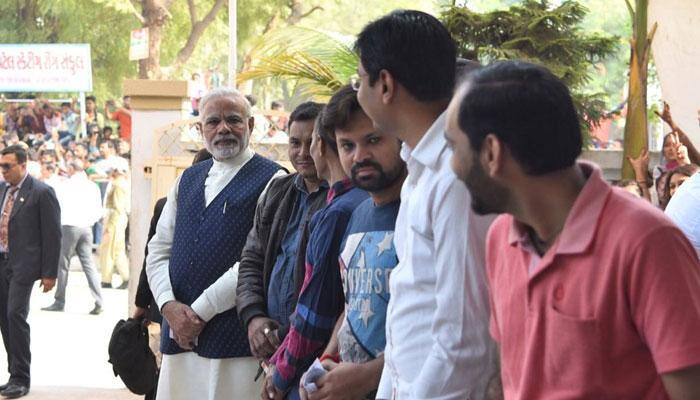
(559, 293)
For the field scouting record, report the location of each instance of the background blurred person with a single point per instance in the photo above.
(113, 247)
(81, 207)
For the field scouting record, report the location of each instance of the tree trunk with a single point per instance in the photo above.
(636, 134)
(155, 14)
(636, 126)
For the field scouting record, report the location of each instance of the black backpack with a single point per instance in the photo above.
(131, 358)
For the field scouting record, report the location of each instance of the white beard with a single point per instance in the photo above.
(222, 152)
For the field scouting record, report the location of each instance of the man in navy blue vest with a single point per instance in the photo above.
(190, 265)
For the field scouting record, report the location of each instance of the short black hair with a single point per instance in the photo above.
(91, 98)
(47, 152)
(19, 152)
(65, 104)
(529, 109)
(338, 113)
(275, 104)
(307, 111)
(464, 68)
(415, 48)
(108, 142)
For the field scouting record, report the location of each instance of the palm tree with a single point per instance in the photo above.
(321, 62)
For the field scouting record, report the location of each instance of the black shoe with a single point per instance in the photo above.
(124, 285)
(4, 386)
(52, 307)
(96, 311)
(106, 285)
(14, 391)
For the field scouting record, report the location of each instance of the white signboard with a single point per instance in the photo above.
(45, 68)
(138, 46)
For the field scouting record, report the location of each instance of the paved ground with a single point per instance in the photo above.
(69, 349)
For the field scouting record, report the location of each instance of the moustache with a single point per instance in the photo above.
(225, 137)
(364, 164)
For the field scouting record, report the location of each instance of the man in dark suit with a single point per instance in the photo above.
(30, 245)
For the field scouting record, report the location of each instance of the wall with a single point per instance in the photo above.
(676, 52)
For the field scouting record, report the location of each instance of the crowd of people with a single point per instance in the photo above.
(438, 239)
(89, 175)
(64, 193)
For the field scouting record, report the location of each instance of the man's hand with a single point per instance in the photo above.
(344, 382)
(47, 284)
(640, 165)
(328, 365)
(262, 335)
(269, 391)
(184, 322)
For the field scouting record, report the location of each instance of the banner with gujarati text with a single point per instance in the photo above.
(45, 68)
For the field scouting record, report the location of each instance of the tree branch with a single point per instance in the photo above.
(647, 51)
(306, 14)
(296, 13)
(630, 9)
(196, 32)
(209, 18)
(136, 13)
(193, 12)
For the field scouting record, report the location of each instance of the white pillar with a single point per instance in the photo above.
(154, 104)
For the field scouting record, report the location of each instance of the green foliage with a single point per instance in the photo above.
(320, 42)
(321, 62)
(539, 32)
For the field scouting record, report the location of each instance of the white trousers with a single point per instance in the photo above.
(187, 376)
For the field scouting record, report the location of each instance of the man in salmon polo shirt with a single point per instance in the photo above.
(594, 294)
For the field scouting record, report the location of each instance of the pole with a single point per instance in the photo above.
(233, 43)
(83, 115)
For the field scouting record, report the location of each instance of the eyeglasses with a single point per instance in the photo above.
(355, 82)
(7, 166)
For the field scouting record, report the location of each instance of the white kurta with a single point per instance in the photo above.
(187, 375)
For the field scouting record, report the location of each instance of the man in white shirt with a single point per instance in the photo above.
(81, 207)
(190, 263)
(684, 210)
(438, 344)
(110, 160)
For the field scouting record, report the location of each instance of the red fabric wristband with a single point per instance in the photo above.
(333, 357)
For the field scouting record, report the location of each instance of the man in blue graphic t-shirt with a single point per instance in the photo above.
(354, 357)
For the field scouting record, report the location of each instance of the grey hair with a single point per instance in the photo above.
(228, 93)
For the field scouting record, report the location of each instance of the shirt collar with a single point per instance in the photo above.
(300, 185)
(338, 189)
(431, 145)
(580, 226)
